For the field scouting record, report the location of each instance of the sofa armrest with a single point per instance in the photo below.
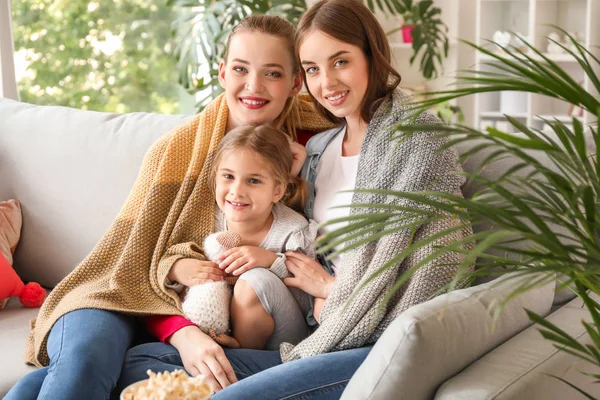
(433, 341)
(517, 368)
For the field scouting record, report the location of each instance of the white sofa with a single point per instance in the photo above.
(72, 170)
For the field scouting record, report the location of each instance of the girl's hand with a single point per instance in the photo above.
(309, 275)
(238, 260)
(299, 154)
(201, 355)
(190, 272)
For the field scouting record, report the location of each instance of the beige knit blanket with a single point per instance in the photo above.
(168, 213)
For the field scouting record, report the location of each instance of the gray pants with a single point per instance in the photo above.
(278, 302)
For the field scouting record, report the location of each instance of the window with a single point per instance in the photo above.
(104, 55)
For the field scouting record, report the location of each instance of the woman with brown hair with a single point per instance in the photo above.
(87, 323)
(347, 68)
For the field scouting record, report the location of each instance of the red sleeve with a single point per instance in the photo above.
(303, 136)
(163, 326)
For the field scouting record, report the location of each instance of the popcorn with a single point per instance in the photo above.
(176, 385)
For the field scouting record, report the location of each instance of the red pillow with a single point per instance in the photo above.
(10, 228)
(303, 136)
(32, 294)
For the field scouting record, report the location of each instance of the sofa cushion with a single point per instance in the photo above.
(14, 320)
(71, 170)
(517, 369)
(10, 228)
(433, 341)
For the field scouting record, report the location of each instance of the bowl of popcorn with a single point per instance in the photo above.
(176, 385)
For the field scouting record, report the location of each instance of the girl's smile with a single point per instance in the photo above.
(246, 188)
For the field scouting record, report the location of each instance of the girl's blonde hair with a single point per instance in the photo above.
(273, 146)
(283, 29)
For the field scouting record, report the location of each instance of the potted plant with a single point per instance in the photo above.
(423, 27)
(409, 20)
(542, 214)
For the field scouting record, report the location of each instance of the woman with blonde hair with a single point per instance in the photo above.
(346, 63)
(87, 323)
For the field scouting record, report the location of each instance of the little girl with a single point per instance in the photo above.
(256, 195)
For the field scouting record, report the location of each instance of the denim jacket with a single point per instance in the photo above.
(314, 149)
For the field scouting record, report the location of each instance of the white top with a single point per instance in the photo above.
(335, 173)
(289, 231)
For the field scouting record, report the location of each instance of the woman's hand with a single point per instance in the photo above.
(190, 272)
(201, 355)
(238, 260)
(309, 275)
(299, 154)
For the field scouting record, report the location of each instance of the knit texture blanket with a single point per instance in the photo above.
(166, 217)
(412, 164)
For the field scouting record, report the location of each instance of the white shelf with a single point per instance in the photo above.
(401, 45)
(565, 119)
(561, 58)
(487, 57)
(534, 20)
(557, 58)
(500, 116)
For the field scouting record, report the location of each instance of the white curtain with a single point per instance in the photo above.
(8, 84)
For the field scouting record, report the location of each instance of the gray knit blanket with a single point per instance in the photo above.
(408, 165)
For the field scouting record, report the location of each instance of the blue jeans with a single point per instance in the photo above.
(86, 349)
(261, 373)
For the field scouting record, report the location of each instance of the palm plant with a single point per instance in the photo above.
(203, 25)
(542, 214)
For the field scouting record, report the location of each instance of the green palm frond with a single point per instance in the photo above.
(584, 393)
(291, 10)
(534, 198)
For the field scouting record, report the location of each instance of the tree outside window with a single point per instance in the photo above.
(104, 55)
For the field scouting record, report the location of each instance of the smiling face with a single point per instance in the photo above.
(336, 73)
(258, 78)
(245, 187)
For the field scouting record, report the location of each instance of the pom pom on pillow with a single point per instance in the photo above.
(31, 294)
